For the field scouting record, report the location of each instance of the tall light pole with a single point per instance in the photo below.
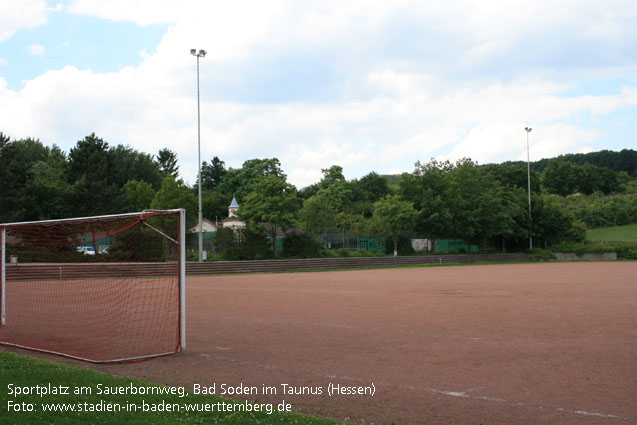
(198, 55)
(528, 170)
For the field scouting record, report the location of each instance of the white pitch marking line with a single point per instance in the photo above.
(602, 415)
(449, 393)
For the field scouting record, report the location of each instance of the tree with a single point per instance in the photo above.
(393, 216)
(130, 164)
(4, 139)
(427, 189)
(319, 214)
(239, 181)
(91, 173)
(475, 199)
(331, 176)
(272, 201)
(308, 191)
(167, 161)
(515, 174)
(552, 224)
(138, 195)
(17, 161)
(48, 192)
(300, 245)
(175, 194)
(214, 204)
(373, 187)
(561, 178)
(242, 244)
(211, 174)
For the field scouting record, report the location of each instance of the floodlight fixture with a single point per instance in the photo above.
(199, 54)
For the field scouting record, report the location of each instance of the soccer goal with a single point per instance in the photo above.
(100, 289)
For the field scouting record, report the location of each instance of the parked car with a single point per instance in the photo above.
(86, 250)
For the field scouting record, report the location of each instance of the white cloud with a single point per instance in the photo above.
(35, 49)
(405, 81)
(142, 12)
(15, 15)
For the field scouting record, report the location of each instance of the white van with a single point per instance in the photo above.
(87, 250)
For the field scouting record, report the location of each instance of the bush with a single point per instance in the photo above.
(404, 246)
(342, 252)
(301, 245)
(542, 254)
(365, 253)
(624, 250)
(242, 244)
(329, 253)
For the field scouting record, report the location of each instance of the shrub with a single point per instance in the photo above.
(301, 245)
(404, 246)
(242, 244)
(329, 253)
(624, 250)
(542, 254)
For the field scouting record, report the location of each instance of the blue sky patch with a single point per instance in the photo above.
(84, 42)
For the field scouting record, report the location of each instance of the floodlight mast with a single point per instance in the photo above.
(198, 55)
(528, 170)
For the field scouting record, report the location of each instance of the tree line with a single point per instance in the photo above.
(486, 205)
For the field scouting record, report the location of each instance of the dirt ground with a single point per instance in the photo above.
(552, 343)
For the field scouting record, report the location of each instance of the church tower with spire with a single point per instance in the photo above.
(233, 221)
(234, 206)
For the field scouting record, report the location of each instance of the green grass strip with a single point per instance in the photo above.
(626, 233)
(26, 374)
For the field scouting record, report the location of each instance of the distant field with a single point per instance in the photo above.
(617, 233)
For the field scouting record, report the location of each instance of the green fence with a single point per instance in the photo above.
(455, 245)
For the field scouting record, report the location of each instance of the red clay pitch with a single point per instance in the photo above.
(503, 344)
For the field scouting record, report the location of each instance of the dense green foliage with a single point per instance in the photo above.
(242, 244)
(485, 205)
(625, 160)
(41, 183)
(624, 250)
(301, 245)
(272, 202)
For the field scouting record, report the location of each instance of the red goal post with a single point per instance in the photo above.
(101, 289)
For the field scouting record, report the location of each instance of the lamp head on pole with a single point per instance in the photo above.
(199, 54)
(528, 129)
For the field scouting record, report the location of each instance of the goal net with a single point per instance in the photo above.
(100, 289)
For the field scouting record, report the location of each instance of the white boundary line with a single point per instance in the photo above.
(70, 356)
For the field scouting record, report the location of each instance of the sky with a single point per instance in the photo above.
(367, 85)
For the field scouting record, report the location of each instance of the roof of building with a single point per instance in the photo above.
(195, 228)
(234, 203)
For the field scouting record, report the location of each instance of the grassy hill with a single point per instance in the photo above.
(626, 233)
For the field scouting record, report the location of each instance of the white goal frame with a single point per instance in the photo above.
(181, 242)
